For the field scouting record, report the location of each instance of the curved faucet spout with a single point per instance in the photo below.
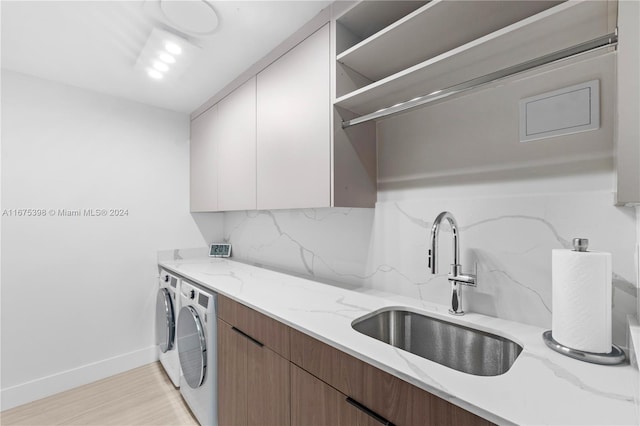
(435, 230)
(455, 276)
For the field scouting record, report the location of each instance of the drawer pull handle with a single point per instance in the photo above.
(247, 336)
(369, 412)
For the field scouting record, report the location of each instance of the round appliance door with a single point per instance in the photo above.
(192, 347)
(165, 321)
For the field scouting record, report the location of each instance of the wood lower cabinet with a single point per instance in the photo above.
(273, 334)
(253, 381)
(313, 402)
(268, 387)
(391, 397)
(380, 397)
(232, 376)
(270, 374)
(330, 365)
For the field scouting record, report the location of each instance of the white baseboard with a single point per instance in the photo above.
(65, 380)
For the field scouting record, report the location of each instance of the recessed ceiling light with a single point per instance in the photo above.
(161, 66)
(154, 74)
(156, 54)
(173, 48)
(165, 57)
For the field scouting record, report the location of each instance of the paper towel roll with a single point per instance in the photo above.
(581, 292)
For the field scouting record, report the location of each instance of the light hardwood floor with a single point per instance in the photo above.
(143, 396)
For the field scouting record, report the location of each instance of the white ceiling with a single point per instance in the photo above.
(95, 44)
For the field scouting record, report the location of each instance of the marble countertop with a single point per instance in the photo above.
(542, 386)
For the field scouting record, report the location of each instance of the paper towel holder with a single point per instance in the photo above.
(616, 356)
(580, 244)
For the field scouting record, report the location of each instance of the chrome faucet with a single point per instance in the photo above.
(455, 277)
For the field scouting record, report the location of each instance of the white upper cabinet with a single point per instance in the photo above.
(628, 125)
(237, 149)
(294, 127)
(278, 141)
(204, 159)
(302, 132)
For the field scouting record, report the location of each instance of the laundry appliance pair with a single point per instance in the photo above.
(186, 340)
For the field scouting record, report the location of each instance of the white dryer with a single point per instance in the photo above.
(167, 308)
(197, 334)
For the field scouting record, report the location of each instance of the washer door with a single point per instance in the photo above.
(165, 321)
(192, 347)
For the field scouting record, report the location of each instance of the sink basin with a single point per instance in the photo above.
(455, 346)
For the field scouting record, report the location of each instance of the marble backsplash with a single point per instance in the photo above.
(181, 254)
(506, 240)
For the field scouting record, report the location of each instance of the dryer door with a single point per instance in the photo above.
(192, 347)
(165, 321)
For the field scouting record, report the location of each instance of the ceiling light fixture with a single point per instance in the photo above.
(161, 66)
(173, 48)
(154, 74)
(165, 55)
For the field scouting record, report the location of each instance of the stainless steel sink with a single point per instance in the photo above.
(452, 345)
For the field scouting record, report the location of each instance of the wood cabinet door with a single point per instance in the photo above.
(272, 333)
(253, 381)
(237, 149)
(203, 167)
(429, 409)
(314, 403)
(294, 127)
(388, 396)
(340, 370)
(232, 376)
(268, 387)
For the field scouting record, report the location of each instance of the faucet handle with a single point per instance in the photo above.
(431, 260)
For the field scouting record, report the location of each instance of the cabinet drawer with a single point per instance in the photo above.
(340, 370)
(388, 396)
(273, 334)
(405, 404)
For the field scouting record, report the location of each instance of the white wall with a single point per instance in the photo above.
(78, 293)
(514, 202)
(638, 259)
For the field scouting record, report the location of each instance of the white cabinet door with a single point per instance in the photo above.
(627, 125)
(237, 149)
(294, 127)
(204, 158)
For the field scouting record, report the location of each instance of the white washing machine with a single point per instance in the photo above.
(196, 335)
(167, 308)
